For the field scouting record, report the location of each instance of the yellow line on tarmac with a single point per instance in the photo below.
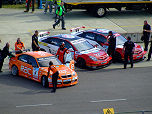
(31, 31)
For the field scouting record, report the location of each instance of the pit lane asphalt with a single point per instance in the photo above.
(124, 90)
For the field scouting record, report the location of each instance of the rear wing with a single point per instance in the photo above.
(77, 29)
(42, 34)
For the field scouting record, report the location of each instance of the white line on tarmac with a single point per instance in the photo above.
(113, 100)
(33, 105)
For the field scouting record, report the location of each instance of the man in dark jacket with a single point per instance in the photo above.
(3, 54)
(112, 45)
(146, 34)
(128, 49)
(150, 50)
(35, 46)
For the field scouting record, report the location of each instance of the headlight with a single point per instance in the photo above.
(73, 73)
(93, 58)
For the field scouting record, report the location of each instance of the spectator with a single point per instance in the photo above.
(54, 75)
(146, 34)
(50, 4)
(128, 49)
(112, 45)
(28, 5)
(19, 46)
(3, 54)
(150, 51)
(60, 13)
(35, 46)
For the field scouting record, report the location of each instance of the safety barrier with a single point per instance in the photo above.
(135, 37)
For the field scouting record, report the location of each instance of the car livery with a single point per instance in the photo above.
(100, 36)
(34, 65)
(83, 52)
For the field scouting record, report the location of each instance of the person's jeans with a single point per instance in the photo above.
(50, 3)
(146, 42)
(28, 5)
(61, 18)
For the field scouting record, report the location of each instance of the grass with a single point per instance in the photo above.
(18, 6)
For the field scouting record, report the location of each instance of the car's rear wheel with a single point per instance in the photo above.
(44, 81)
(14, 70)
(81, 63)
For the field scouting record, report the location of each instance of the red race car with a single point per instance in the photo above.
(100, 36)
(84, 53)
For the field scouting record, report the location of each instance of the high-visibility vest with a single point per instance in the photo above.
(58, 2)
(52, 68)
(61, 10)
(19, 45)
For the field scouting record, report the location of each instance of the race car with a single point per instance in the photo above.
(100, 36)
(34, 65)
(83, 52)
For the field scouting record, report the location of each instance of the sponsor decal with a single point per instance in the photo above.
(25, 70)
(68, 36)
(103, 30)
(35, 73)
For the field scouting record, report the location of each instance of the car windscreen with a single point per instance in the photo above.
(82, 45)
(44, 61)
(120, 40)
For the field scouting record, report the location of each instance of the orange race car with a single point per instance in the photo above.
(34, 65)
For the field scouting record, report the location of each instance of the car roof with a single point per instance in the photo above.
(37, 54)
(101, 31)
(68, 37)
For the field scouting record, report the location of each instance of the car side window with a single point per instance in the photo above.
(100, 38)
(90, 36)
(82, 35)
(32, 61)
(68, 45)
(23, 58)
(54, 41)
(46, 40)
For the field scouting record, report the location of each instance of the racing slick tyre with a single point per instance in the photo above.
(14, 70)
(44, 81)
(99, 11)
(81, 63)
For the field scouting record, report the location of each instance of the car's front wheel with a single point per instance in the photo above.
(81, 63)
(44, 81)
(14, 70)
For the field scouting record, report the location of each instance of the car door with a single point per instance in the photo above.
(70, 48)
(102, 41)
(34, 68)
(53, 45)
(25, 69)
